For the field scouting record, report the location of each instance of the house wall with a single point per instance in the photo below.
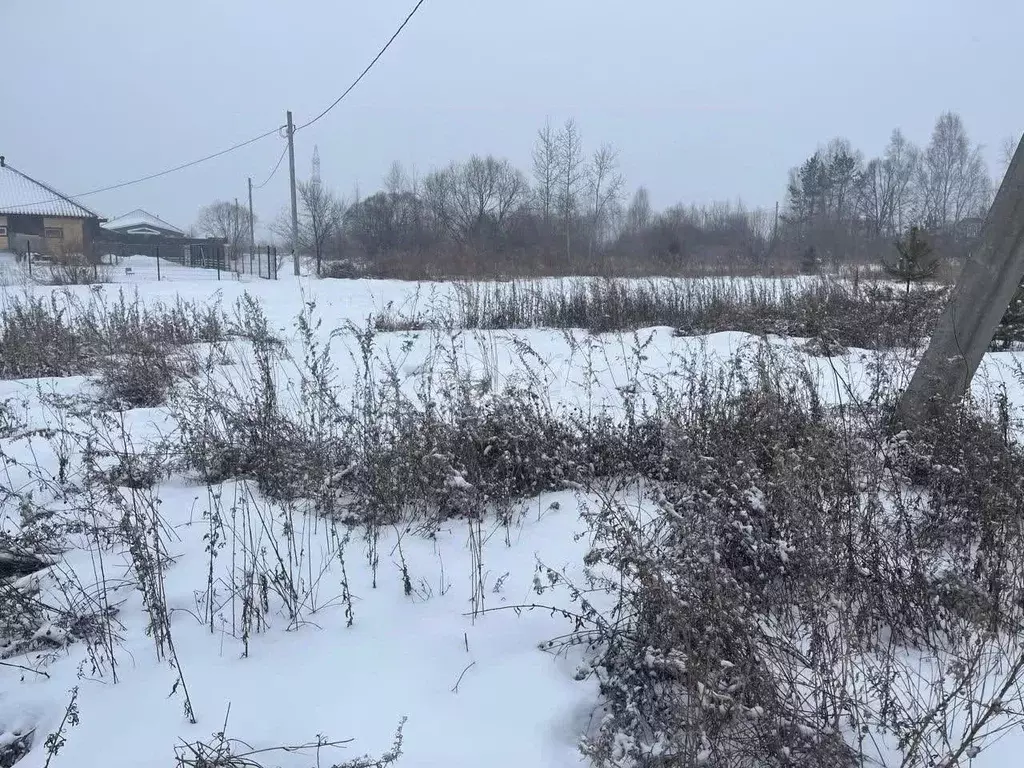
(76, 233)
(5, 243)
(91, 232)
(73, 234)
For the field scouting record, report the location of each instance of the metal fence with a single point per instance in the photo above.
(127, 262)
(188, 261)
(121, 262)
(260, 263)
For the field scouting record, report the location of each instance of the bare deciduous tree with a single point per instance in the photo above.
(639, 213)
(954, 180)
(475, 198)
(321, 214)
(1009, 148)
(437, 194)
(281, 226)
(397, 180)
(545, 171)
(227, 221)
(887, 186)
(385, 223)
(572, 179)
(605, 191)
(511, 191)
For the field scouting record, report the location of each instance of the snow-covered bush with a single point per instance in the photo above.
(141, 376)
(865, 315)
(797, 584)
(224, 752)
(804, 590)
(63, 335)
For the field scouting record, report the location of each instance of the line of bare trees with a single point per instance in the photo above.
(844, 208)
(484, 217)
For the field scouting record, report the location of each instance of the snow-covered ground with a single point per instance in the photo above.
(476, 690)
(475, 693)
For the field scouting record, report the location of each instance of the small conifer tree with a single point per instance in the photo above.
(915, 260)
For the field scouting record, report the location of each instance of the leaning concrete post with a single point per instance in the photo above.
(976, 305)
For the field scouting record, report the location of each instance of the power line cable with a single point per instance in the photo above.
(159, 174)
(273, 173)
(376, 58)
(240, 145)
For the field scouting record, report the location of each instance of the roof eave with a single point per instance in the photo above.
(95, 216)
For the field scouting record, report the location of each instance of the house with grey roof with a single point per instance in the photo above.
(140, 223)
(35, 216)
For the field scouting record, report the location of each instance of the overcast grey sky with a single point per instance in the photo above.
(705, 100)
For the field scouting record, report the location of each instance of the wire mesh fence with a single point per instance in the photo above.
(125, 263)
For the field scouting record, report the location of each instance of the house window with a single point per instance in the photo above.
(3, 230)
(54, 233)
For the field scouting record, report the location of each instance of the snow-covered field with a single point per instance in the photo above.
(474, 688)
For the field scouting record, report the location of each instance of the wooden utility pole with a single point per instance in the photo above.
(295, 204)
(252, 224)
(982, 293)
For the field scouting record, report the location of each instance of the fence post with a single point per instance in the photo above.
(220, 255)
(158, 263)
(275, 262)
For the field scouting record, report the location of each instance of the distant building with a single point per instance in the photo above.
(35, 216)
(142, 224)
(141, 233)
(970, 227)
